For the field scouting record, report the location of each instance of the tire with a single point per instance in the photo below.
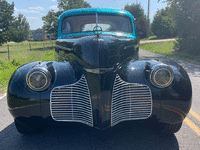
(169, 128)
(29, 126)
(162, 128)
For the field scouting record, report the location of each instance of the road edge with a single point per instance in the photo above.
(1, 97)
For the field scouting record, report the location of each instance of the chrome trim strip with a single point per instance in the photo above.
(64, 48)
(99, 70)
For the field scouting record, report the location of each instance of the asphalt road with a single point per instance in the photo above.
(136, 136)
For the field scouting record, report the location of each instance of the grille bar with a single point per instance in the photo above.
(130, 101)
(72, 103)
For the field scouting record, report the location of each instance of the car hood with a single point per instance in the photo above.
(96, 53)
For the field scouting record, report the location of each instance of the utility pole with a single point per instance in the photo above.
(148, 24)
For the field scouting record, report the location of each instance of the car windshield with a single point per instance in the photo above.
(86, 23)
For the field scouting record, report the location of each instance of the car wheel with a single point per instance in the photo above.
(162, 128)
(169, 128)
(29, 126)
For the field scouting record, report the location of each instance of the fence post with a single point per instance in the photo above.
(51, 44)
(8, 54)
(43, 45)
(30, 46)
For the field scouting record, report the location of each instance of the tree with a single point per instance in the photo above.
(163, 24)
(6, 18)
(50, 20)
(141, 22)
(186, 16)
(20, 29)
(64, 5)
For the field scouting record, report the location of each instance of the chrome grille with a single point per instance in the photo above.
(130, 101)
(72, 103)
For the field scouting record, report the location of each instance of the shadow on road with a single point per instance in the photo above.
(78, 136)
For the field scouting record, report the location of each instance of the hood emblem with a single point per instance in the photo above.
(97, 30)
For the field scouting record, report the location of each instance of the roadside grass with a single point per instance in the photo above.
(22, 51)
(20, 54)
(167, 49)
(150, 38)
(153, 38)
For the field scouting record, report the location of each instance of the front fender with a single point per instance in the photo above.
(65, 74)
(22, 101)
(171, 104)
(19, 99)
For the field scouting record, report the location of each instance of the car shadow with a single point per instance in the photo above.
(79, 136)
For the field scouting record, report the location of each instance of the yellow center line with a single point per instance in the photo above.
(193, 113)
(192, 126)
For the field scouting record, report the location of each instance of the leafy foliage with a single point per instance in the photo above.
(163, 24)
(50, 20)
(64, 5)
(20, 29)
(6, 18)
(186, 16)
(141, 22)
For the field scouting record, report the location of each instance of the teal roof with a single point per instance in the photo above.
(80, 11)
(94, 10)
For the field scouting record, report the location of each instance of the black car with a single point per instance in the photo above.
(98, 78)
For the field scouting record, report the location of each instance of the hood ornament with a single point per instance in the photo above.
(97, 29)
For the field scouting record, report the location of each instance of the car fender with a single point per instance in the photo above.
(171, 104)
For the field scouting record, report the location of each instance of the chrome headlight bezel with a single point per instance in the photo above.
(45, 73)
(154, 73)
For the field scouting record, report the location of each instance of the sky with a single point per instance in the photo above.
(34, 10)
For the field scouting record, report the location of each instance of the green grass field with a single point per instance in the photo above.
(167, 49)
(20, 54)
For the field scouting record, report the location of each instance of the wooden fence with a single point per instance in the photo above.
(29, 46)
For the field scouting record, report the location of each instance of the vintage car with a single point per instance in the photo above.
(98, 78)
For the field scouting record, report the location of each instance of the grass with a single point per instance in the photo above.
(167, 49)
(20, 54)
(153, 38)
(23, 53)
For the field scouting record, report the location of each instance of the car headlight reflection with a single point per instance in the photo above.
(162, 76)
(38, 79)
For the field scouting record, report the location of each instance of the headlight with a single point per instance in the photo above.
(161, 76)
(38, 79)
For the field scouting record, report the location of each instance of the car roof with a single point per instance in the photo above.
(94, 10)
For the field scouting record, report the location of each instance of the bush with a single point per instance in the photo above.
(188, 45)
(163, 25)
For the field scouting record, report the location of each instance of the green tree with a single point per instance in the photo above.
(64, 5)
(141, 22)
(6, 18)
(186, 16)
(20, 29)
(50, 20)
(30, 36)
(163, 24)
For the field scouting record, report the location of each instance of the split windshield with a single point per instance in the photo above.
(86, 23)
